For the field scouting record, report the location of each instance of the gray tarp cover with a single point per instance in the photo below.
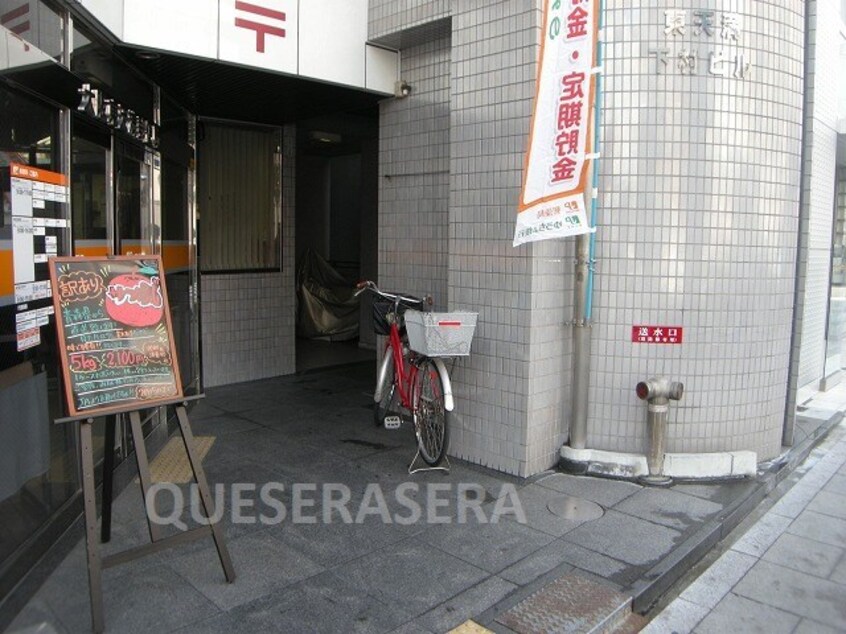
(327, 307)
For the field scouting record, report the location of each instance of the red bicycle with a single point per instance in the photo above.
(409, 384)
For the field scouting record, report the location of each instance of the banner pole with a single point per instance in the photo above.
(594, 200)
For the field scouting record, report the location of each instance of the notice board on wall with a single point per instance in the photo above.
(114, 333)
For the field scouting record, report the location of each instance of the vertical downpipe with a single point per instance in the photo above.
(583, 293)
(787, 432)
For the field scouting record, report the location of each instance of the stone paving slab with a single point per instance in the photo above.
(603, 491)
(787, 573)
(626, 538)
(737, 614)
(804, 555)
(716, 582)
(812, 597)
(669, 507)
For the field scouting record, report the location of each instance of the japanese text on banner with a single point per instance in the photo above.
(552, 198)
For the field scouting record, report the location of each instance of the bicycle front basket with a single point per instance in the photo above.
(382, 307)
(440, 334)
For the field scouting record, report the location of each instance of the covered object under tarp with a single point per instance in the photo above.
(327, 307)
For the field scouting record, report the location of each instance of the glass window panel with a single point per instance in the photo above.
(836, 336)
(38, 471)
(34, 22)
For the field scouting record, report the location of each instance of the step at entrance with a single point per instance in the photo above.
(569, 604)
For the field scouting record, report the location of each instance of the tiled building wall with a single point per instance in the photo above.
(513, 390)
(698, 224)
(465, 126)
(248, 319)
(388, 17)
(822, 92)
(699, 216)
(414, 177)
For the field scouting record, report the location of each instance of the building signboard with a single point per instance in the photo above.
(262, 35)
(705, 42)
(657, 334)
(39, 198)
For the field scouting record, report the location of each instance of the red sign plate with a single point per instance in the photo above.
(657, 334)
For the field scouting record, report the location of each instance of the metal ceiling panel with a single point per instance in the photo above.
(219, 90)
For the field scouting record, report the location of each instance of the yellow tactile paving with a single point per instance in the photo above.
(171, 464)
(470, 627)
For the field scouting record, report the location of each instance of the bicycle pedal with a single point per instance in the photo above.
(392, 422)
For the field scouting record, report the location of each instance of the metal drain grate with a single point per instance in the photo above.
(569, 604)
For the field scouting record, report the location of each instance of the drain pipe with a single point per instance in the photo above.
(585, 250)
(657, 392)
(581, 348)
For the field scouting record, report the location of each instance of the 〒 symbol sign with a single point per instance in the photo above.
(260, 28)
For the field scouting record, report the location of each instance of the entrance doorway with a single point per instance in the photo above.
(336, 237)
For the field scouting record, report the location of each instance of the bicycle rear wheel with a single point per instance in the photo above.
(430, 415)
(389, 393)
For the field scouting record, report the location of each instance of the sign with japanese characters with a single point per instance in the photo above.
(657, 334)
(115, 336)
(261, 33)
(554, 175)
(702, 42)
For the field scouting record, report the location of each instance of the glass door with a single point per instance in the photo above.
(135, 230)
(174, 202)
(91, 199)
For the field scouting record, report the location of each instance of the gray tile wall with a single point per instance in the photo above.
(387, 17)
(248, 319)
(453, 153)
(698, 225)
(414, 177)
(513, 391)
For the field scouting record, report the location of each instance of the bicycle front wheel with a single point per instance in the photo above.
(430, 415)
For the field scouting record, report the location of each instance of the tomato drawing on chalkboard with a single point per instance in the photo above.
(135, 300)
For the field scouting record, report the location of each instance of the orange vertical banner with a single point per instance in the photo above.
(555, 168)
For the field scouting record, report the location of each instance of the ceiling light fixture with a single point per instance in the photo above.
(325, 137)
(148, 55)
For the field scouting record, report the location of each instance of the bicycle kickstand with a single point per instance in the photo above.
(444, 468)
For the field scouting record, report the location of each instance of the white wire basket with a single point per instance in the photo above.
(440, 334)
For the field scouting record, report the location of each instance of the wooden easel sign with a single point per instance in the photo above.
(115, 334)
(118, 357)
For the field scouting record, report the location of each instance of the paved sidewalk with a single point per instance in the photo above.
(787, 573)
(384, 574)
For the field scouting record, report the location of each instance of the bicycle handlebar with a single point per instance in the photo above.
(366, 285)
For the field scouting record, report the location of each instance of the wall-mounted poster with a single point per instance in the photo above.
(115, 335)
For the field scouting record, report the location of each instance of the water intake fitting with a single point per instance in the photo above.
(657, 392)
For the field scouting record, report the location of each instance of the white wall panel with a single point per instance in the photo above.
(332, 36)
(324, 40)
(382, 69)
(187, 26)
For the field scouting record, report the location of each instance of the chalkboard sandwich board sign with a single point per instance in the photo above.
(115, 335)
